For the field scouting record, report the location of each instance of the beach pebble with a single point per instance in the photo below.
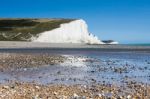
(59, 72)
(6, 87)
(75, 96)
(93, 80)
(55, 93)
(25, 69)
(35, 97)
(37, 87)
(99, 95)
(83, 97)
(3, 61)
(129, 97)
(64, 97)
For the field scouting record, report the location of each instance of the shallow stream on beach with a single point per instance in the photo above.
(87, 67)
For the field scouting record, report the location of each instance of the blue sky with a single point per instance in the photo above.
(126, 21)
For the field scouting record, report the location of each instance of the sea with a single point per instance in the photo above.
(146, 44)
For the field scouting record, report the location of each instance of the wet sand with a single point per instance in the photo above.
(74, 74)
(34, 45)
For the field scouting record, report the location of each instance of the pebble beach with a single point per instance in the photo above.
(74, 74)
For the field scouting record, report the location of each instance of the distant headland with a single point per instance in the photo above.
(47, 30)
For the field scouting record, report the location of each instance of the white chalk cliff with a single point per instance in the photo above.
(73, 32)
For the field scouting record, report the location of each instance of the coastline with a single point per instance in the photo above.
(37, 45)
(54, 71)
(35, 75)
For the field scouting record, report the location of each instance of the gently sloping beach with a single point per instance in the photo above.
(76, 72)
(13, 44)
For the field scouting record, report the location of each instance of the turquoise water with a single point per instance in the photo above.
(138, 44)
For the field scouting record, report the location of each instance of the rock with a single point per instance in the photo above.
(75, 96)
(59, 72)
(25, 69)
(62, 79)
(93, 80)
(83, 97)
(35, 97)
(99, 95)
(84, 91)
(3, 61)
(12, 87)
(92, 71)
(74, 79)
(37, 87)
(6, 87)
(129, 97)
(84, 86)
(55, 93)
(64, 97)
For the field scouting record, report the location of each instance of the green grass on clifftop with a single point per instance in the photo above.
(23, 29)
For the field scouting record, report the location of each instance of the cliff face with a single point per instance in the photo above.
(46, 30)
(73, 32)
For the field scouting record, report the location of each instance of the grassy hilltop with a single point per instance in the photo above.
(18, 29)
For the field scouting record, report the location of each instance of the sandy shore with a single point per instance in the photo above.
(22, 45)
